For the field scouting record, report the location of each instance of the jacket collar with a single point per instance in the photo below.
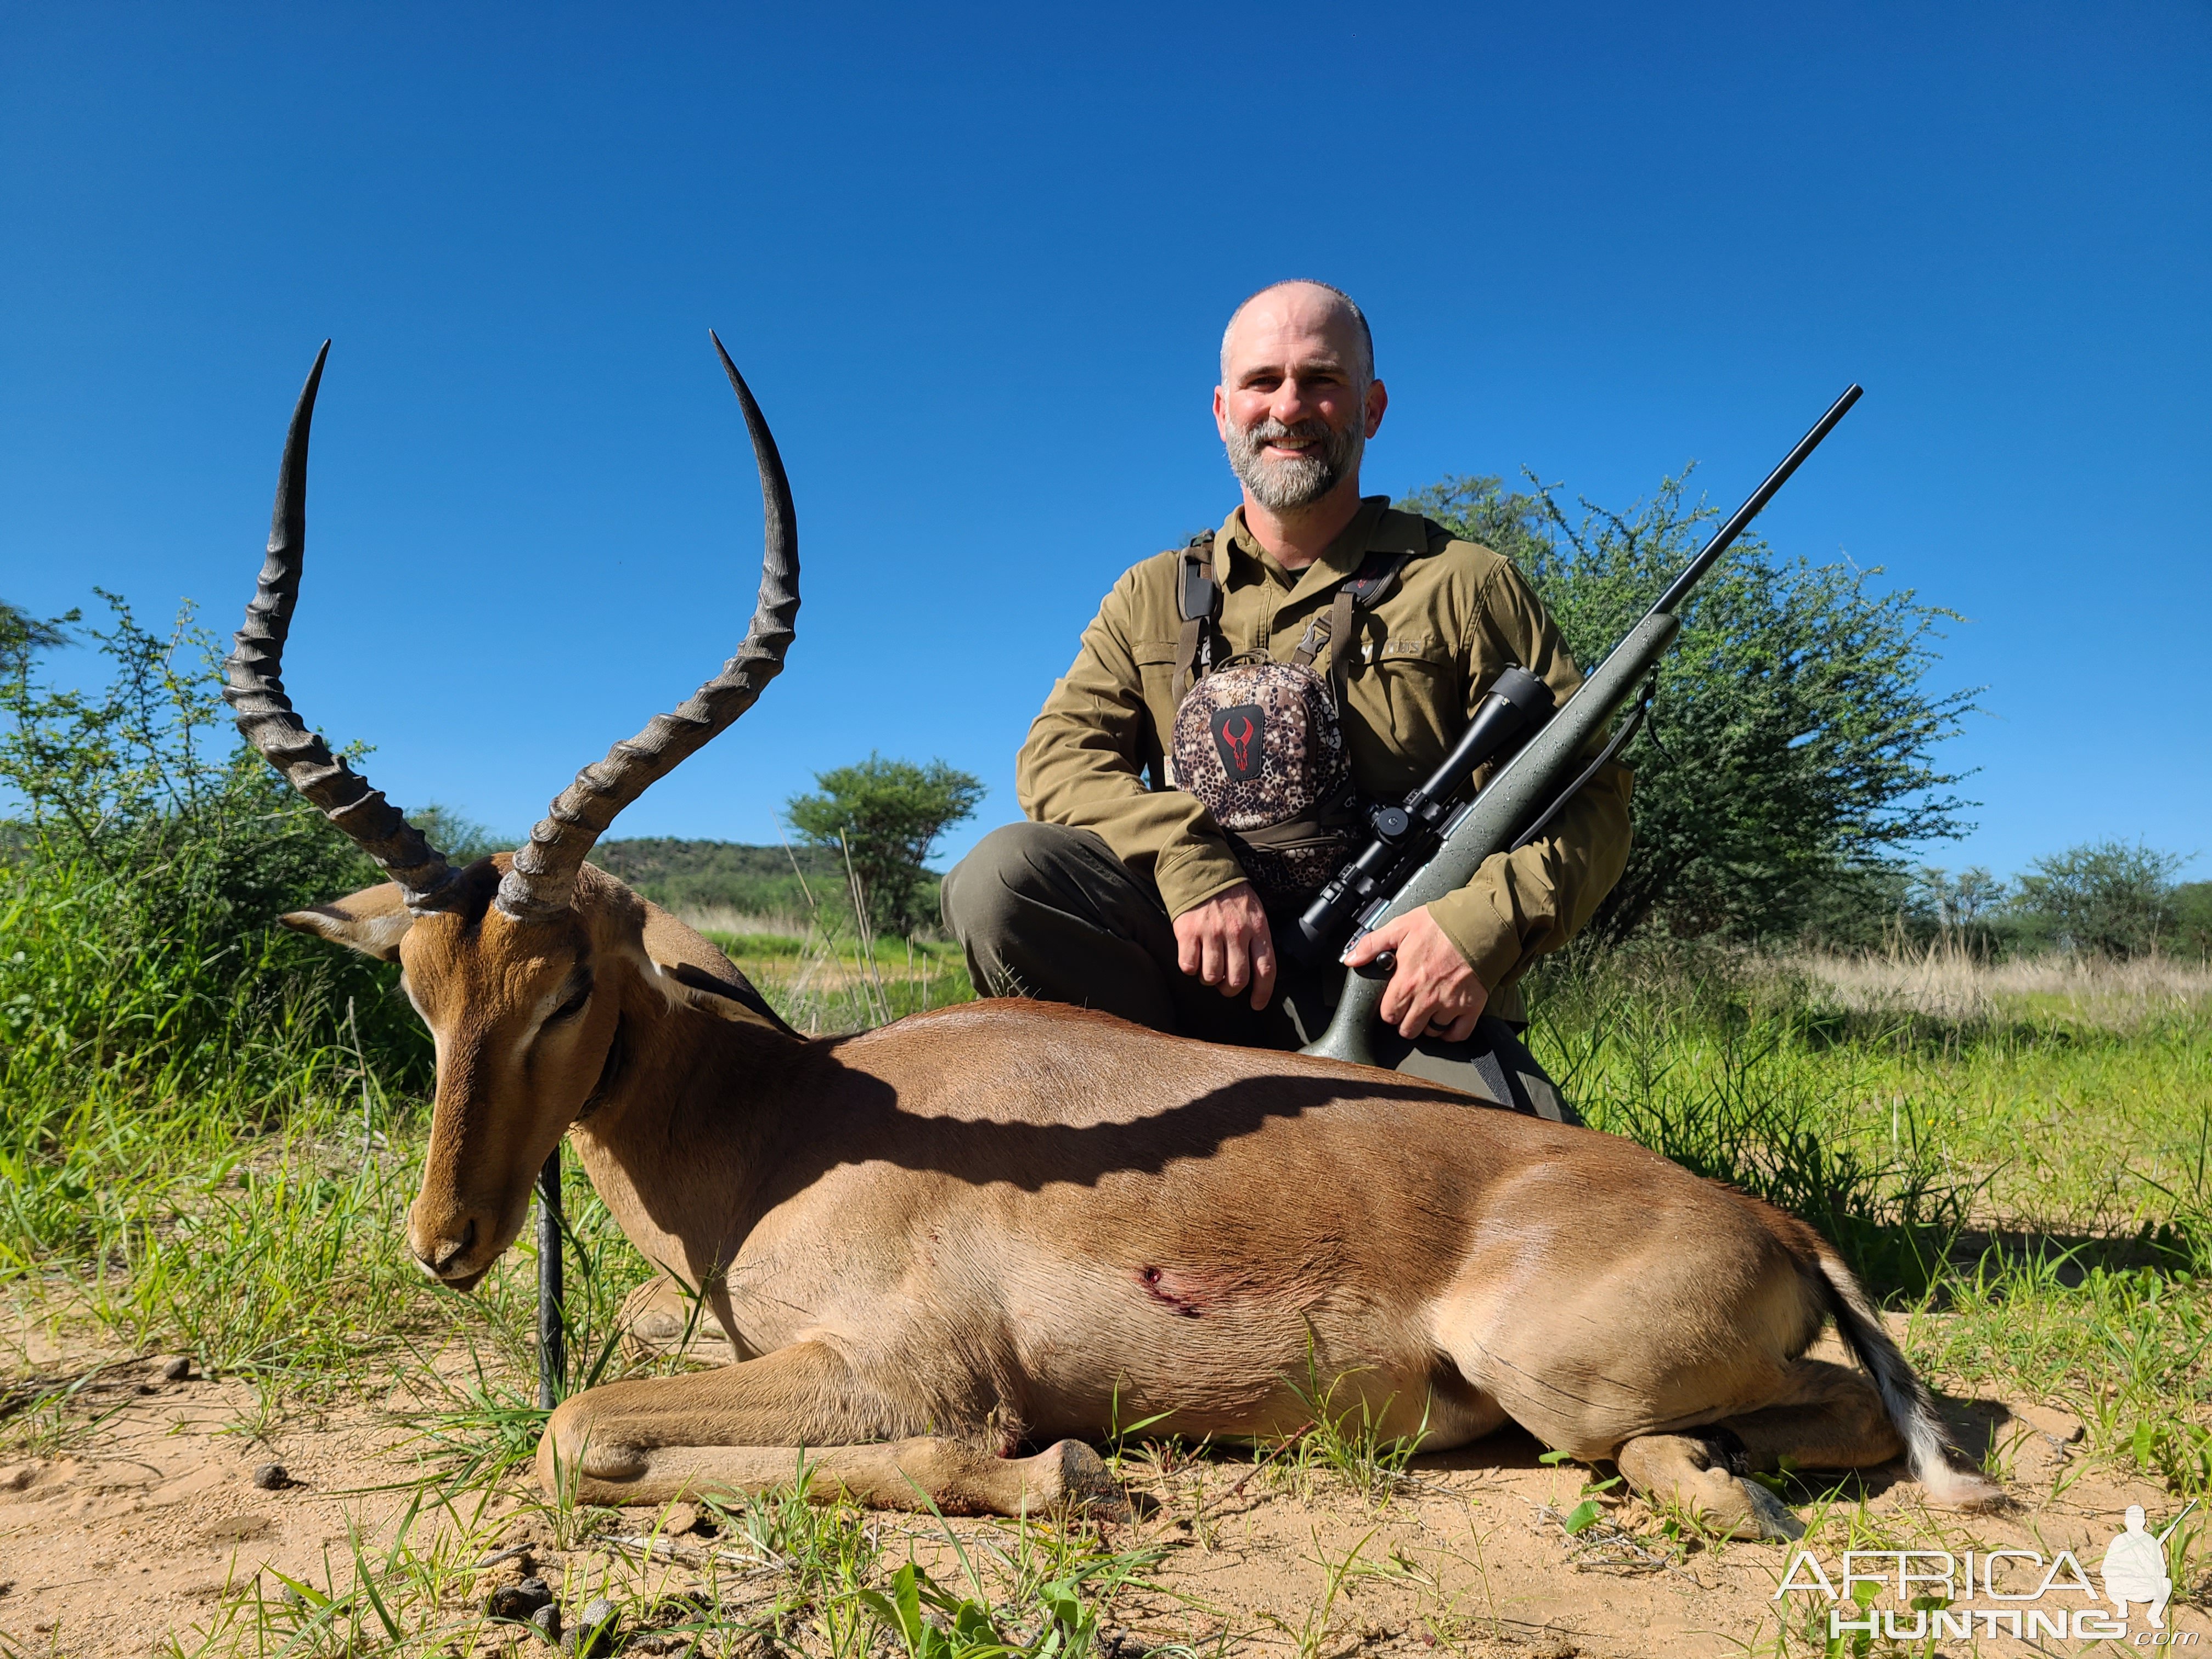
(1377, 527)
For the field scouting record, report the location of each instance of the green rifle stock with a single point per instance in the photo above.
(1527, 784)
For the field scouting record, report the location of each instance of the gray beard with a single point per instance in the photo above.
(1284, 486)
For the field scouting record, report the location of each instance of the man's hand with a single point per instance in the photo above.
(1225, 941)
(1432, 991)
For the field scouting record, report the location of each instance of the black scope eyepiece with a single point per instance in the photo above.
(1516, 704)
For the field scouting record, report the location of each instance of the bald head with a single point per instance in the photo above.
(1304, 306)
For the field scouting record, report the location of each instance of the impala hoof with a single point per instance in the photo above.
(1771, 1518)
(1084, 1483)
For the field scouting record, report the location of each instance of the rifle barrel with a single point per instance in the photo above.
(1679, 588)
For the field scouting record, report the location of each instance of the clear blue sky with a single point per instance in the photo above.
(975, 264)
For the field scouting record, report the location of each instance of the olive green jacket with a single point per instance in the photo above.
(1422, 659)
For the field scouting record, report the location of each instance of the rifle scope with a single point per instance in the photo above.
(1517, 703)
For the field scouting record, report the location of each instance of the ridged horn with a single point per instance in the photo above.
(254, 687)
(543, 880)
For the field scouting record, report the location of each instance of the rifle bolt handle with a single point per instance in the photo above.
(1384, 965)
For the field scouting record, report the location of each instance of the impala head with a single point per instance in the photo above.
(520, 964)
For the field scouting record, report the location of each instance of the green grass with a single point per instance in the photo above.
(829, 978)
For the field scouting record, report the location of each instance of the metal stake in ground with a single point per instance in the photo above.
(552, 1344)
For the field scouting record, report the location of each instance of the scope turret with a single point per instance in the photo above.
(1515, 705)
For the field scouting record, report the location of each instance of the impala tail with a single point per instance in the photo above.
(1928, 1446)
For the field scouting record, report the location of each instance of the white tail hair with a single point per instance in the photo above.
(1928, 1446)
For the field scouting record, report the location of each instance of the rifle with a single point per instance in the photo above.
(1432, 846)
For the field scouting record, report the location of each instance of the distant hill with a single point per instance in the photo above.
(701, 875)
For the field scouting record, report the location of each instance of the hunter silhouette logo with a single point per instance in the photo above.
(2134, 1567)
(1237, 735)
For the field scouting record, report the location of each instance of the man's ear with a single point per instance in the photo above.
(372, 921)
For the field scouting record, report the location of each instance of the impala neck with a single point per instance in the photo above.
(678, 1141)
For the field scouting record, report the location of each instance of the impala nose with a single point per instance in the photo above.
(440, 1257)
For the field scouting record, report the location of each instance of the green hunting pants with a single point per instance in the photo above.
(1049, 912)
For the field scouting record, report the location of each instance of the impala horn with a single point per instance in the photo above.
(542, 879)
(255, 690)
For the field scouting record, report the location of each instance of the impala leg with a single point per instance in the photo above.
(1832, 1418)
(1695, 1472)
(740, 1430)
(923, 1473)
(658, 1320)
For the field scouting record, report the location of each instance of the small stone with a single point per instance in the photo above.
(548, 1621)
(595, 1635)
(678, 1519)
(272, 1477)
(179, 1369)
(519, 1600)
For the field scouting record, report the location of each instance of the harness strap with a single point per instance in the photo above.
(1197, 598)
(1357, 592)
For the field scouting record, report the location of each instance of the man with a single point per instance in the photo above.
(1127, 897)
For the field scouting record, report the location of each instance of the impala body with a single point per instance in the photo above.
(1012, 1223)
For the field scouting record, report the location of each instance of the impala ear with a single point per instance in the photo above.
(372, 921)
(731, 999)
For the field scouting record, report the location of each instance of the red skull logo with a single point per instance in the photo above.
(1236, 734)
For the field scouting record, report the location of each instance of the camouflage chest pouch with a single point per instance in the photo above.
(1260, 742)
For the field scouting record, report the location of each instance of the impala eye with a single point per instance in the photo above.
(573, 1004)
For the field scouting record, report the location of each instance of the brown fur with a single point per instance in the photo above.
(1014, 1221)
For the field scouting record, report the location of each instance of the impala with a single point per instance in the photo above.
(1007, 1225)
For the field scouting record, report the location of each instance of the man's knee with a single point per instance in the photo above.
(1021, 870)
(985, 894)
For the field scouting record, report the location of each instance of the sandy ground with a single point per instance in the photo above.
(141, 1531)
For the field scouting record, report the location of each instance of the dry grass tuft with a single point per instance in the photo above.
(1949, 984)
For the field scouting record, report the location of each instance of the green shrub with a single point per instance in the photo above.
(1792, 748)
(2112, 898)
(147, 859)
(796, 882)
(883, 817)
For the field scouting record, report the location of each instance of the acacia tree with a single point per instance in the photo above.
(1791, 754)
(886, 815)
(22, 634)
(2114, 898)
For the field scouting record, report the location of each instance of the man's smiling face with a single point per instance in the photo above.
(1297, 399)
